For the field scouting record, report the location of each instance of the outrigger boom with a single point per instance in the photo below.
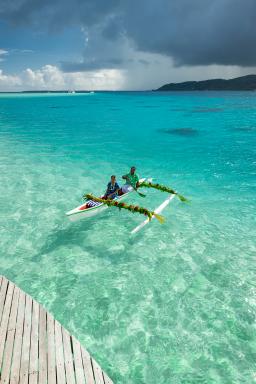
(157, 210)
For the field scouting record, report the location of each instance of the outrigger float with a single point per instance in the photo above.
(95, 205)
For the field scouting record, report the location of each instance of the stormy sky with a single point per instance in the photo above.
(125, 44)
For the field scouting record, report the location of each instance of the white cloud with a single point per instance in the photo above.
(48, 77)
(156, 71)
(9, 82)
(3, 52)
(52, 78)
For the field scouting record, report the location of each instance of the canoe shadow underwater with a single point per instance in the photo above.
(73, 234)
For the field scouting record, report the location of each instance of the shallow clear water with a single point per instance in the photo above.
(176, 303)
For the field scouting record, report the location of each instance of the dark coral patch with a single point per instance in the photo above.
(180, 131)
(245, 129)
(207, 110)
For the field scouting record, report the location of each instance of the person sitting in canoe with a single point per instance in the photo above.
(112, 188)
(132, 180)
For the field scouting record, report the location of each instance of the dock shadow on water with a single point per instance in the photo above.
(186, 132)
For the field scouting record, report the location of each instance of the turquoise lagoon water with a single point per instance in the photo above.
(176, 303)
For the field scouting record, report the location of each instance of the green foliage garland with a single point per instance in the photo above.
(121, 205)
(162, 188)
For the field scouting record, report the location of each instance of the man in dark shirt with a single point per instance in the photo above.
(112, 188)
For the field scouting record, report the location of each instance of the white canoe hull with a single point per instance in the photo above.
(80, 213)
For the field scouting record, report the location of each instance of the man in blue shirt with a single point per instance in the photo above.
(112, 189)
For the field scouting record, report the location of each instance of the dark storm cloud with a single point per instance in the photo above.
(56, 14)
(91, 65)
(199, 32)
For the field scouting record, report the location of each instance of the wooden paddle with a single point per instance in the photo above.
(139, 193)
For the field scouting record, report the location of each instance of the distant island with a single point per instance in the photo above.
(243, 83)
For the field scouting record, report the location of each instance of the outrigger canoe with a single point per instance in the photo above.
(89, 209)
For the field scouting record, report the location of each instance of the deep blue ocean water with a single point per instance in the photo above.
(176, 303)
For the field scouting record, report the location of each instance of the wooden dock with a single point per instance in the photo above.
(36, 349)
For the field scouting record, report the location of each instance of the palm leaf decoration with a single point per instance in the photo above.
(129, 207)
(163, 188)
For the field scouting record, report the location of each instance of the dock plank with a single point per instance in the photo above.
(6, 368)
(79, 372)
(98, 375)
(107, 380)
(25, 352)
(5, 319)
(1, 280)
(42, 347)
(15, 369)
(69, 364)
(59, 354)
(3, 290)
(87, 364)
(51, 350)
(33, 363)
